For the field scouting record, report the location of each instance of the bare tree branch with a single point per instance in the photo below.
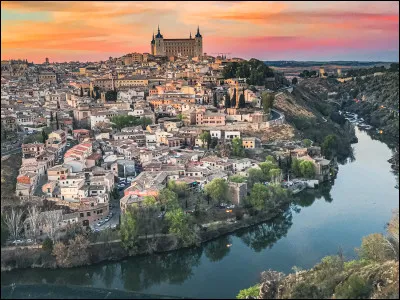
(14, 222)
(33, 217)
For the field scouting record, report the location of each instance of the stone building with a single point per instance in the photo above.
(177, 47)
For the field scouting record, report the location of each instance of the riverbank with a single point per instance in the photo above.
(25, 258)
(321, 221)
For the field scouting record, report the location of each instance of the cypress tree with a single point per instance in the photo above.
(92, 94)
(227, 101)
(233, 100)
(242, 102)
(51, 116)
(88, 93)
(58, 126)
(44, 136)
(81, 92)
(215, 100)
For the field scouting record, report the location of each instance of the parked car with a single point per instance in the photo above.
(231, 206)
(99, 223)
(106, 219)
(114, 226)
(17, 242)
(29, 241)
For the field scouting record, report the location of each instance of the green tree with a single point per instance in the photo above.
(237, 147)
(330, 146)
(57, 124)
(88, 93)
(305, 290)
(238, 178)
(259, 196)
(375, 247)
(270, 158)
(81, 94)
(353, 288)
(92, 94)
(266, 167)
(217, 189)
(214, 142)
(294, 80)
(233, 99)
(255, 176)
(145, 121)
(123, 121)
(4, 231)
(179, 188)
(47, 244)
(168, 199)
(129, 231)
(51, 116)
(242, 101)
(252, 292)
(215, 100)
(181, 225)
(111, 95)
(275, 174)
(307, 143)
(206, 138)
(295, 167)
(227, 103)
(307, 169)
(150, 201)
(267, 100)
(45, 136)
(180, 116)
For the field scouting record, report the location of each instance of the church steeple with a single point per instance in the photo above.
(153, 41)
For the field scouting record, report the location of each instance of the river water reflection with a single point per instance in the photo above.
(358, 203)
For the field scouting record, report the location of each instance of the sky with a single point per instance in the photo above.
(266, 30)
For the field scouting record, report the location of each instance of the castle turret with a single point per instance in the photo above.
(159, 43)
(152, 43)
(198, 49)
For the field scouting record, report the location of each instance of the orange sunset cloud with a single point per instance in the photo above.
(98, 29)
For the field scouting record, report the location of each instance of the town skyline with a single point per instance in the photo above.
(93, 31)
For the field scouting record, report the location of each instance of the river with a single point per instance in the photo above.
(338, 215)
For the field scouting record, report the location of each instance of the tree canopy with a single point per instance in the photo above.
(123, 121)
(217, 189)
(267, 100)
(254, 70)
(237, 147)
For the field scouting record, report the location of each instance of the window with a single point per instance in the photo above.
(88, 214)
(81, 215)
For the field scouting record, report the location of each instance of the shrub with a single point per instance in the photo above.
(353, 288)
(47, 244)
(375, 247)
(251, 291)
(238, 215)
(305, 290)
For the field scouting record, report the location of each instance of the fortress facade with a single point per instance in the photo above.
(177, 47)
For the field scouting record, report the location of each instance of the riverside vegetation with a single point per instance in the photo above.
(374, 275)
(176, 218)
